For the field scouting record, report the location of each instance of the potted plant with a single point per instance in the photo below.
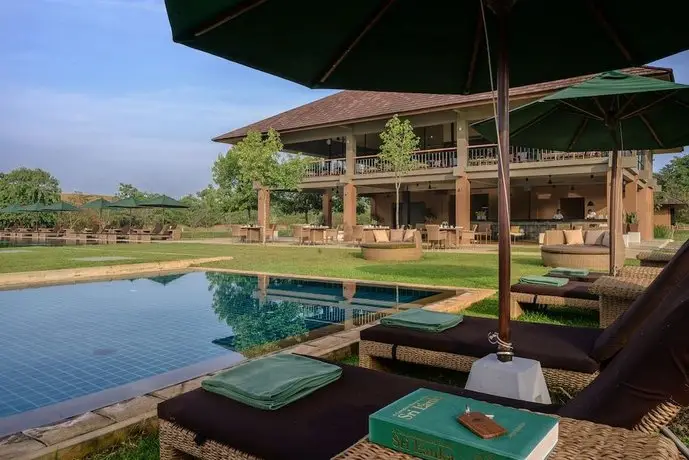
(632, 221)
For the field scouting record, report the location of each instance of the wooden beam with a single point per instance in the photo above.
(577, 135)
(228, 16)
(356, 40)
(651, 130)
(580, 110)
(603, 22)
(648, 106)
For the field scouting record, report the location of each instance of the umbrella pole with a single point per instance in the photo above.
(505, 353)
(614, 220)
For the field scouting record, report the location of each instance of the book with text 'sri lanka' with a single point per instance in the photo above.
(424, 424)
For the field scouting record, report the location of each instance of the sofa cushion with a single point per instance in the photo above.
(381, 236)
(649, 371)
(572, 290)
(558, 347)
(409, 235)
(575, 249)
(673, 280)
(594, 237)
(606, 239)
(318, 426)
(396, 235)
(574, 237)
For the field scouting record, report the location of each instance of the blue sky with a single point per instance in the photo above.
(96, 92)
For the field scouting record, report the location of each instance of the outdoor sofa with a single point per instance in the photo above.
(571, 357)
(393, 245)
(616, 417)
(580, 249)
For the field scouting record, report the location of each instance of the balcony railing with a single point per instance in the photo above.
(325, 168)
(425, 159)
(482, 155)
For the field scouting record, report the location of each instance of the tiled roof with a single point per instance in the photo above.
(348, 106)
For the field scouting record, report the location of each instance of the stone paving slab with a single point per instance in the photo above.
(54, 434)
(128, 409)
(176, 390)
(18, 445)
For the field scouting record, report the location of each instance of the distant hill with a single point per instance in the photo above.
(79, 199)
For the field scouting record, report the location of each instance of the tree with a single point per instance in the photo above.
(299, 203)
(26, 186)
(238, 192)
(398, 143)
(674, 180)
(257, 163)
(363, 204)
(129, 191)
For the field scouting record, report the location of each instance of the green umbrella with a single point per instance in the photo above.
(13, 208)
(436, 47)
(128, 203)
(61, 206)
(166, 279)
(98, 204)
(162, 201)
(608, 112)
(35, 207)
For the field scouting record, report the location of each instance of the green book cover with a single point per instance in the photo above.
(424, 424)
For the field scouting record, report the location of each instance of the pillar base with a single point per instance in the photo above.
(519, 379)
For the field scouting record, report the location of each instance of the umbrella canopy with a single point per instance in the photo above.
(35, 207)
(162, 201)
(11, 208)
(609, 112)
(387, 45)
(60, 206)
(396, 41)
(128, 203)
(646, 113)
(98, 204)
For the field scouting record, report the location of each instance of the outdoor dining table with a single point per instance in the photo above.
(317, 234)
(452, 235)
(251, 232)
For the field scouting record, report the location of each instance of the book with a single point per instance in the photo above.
(424, 424)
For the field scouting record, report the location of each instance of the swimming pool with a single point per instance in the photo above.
(72, 348)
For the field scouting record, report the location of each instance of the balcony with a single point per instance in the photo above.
(487, 155)
(425, 160)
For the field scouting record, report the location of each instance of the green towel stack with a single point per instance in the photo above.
(273, 382)
(570, 271)
(422, 320)
(544, 280)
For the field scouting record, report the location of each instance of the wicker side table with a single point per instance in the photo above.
(578, 440)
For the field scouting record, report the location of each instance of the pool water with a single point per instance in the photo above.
(27, 242)
(62, 343)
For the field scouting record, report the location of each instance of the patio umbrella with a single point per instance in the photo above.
(387, 45)
(166, 279)
(162, 201)
(98, 204)
(126, 203)
(13, 208)
(61, 206)
(608, 112)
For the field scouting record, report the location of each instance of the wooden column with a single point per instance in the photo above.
(263, 207)
(646, 206)
(350, 155)
(463, 203)
(462, 136)
(328, 208)
(349, 210)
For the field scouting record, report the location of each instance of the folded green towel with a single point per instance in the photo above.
(570, 271)
(273, 382)
(422, 320)
(544, 280)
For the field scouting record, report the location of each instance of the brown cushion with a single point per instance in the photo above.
(651, 370)
(318, 426)
(396, 235)
(606, 240)
(574, 237)
(575, 249)
(558, 347)
(593, 237)
(572, 290)
(409, 235)
(671, 281)
(380, 236)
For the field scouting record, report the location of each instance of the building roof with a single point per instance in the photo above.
(349, 106)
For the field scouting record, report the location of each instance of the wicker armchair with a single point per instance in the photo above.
(655, 258)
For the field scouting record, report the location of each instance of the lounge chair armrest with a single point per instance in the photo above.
(640, 272)
(625, 288)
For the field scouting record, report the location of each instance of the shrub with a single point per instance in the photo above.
(661, 232)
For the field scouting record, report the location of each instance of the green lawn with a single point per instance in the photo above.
(471, 270)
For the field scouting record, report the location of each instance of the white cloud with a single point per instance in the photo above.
(157, 140)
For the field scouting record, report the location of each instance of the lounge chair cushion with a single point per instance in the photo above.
(575, 249)
(380, 236)
(396, 235)
(594, 237)
(649, 371)
(554, 346)
(571, 290)
(670, 282)
(590, 278)
(574, 237)
(319, 426)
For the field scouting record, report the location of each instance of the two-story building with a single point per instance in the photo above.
(456, 177)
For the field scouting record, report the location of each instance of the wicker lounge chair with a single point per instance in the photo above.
(571, 356)
(654, 258)
(331, 422)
